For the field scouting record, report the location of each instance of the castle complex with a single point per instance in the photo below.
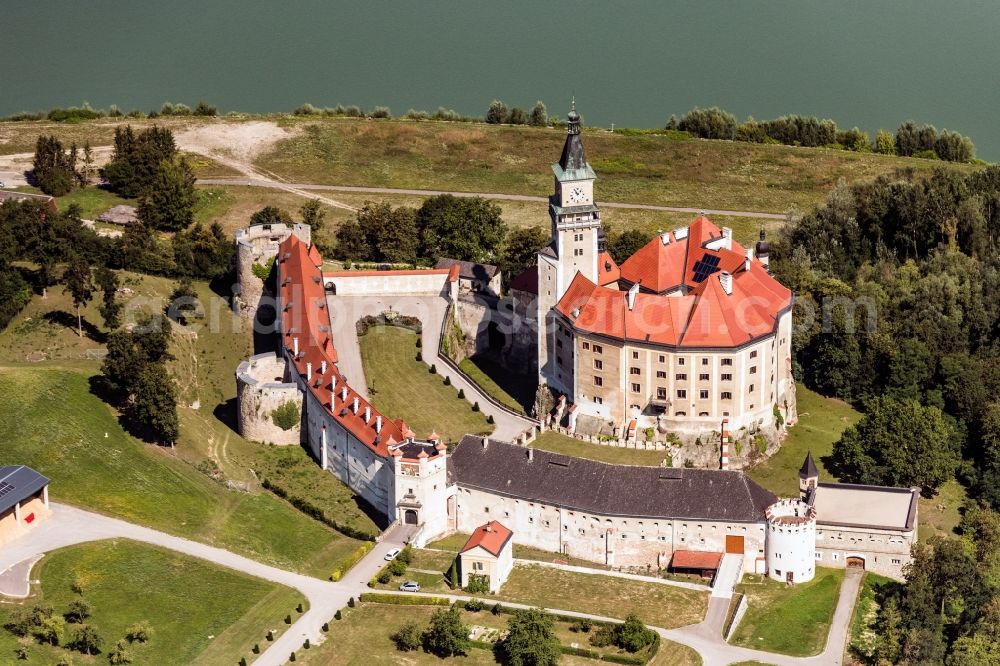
(691, 331)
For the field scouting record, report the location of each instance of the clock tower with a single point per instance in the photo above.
(576, 235)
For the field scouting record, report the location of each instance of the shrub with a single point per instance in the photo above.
(288, 619)
(603, 637)
(397, 567)
(269, 635)
(326, 627)
(385, 576)
(86, 640)
(447, 380)
(419, 357)
(286, 416)
(461, 394)
(779, 420)
(407, 638)
(474, 605)
(306, 109)
(262, 271)
(79, 610)
(490, 419)
(478, 585)
(581, 626)
(402, 600)
(497, 113)
(381, 112)
(305, 644)
(406, 555)
(204, 109)
(453, 575)
(298, 609)
(497, 609)
(140, 632)
(433, 369)
(120, 654)
(475, 406)
(351, 602)
(291, 657)
(633, 635)
(338, 615)
(256, 648)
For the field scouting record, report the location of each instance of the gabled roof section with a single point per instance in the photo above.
(491, 537)
(18, 483)
(306, 318)
(608, 272)
(604, 489)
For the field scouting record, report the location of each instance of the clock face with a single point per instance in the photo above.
(577, 195)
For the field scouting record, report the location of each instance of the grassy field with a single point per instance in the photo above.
(821, 422)
(659, 605)
(405, 389)
(92, 201)
(559, 443)
(200, 613)
(941, 514)
(788, 620)
(639, 169)
(454, 542)
(517, 392)
(362, 639)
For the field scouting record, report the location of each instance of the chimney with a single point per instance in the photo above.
(726, 280)
(343, 393)
(531, 453)
(356, 405)
(309, 371)
(489, 526)
(295, 347)
(749, 260)
(727, 235)
(632, 291)
(665, 237)
(322, 367)
(378, 423)
(486, 443)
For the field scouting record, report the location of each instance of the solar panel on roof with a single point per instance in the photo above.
(705, 266)
(5, 488)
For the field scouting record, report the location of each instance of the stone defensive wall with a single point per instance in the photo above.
(260, 389)
(258, 244)
(437, 282)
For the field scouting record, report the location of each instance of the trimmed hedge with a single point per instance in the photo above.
(313, 511)
(403, 600)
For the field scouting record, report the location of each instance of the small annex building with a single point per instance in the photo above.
(24, 501)
(479, 278)
(488, 552)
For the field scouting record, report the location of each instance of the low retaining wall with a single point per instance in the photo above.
(387, 282)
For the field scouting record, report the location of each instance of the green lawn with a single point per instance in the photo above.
(659, 605)
(92, 201)
(654, 169)
(821, 422)
(200, 613)
(76, 441)
(788, 620)
(941, 514)
(361, 638)
(453, 542)
(570, 446)
(517, 391)
(405, 389)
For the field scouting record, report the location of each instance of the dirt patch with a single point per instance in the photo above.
(241, 141)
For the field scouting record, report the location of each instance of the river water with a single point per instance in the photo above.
(867, 63)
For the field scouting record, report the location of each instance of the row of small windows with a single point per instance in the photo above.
(680, 376)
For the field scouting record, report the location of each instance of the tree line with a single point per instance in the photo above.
(794, 130)
(86, 112)
(905, 272)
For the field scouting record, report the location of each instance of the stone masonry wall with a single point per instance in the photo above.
(260, 389)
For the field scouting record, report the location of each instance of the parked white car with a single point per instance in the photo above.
(410, 586)
(391, 555)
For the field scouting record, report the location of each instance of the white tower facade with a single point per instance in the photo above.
(576, 227)
(791, 541)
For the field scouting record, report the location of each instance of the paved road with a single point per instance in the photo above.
(268, 182)
(430, 310)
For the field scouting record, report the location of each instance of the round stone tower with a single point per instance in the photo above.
(791, 541)
(256, 246)
(261, 390)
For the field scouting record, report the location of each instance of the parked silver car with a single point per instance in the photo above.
(410, 586)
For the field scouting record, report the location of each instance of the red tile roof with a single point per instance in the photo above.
(305, 317)
(694, 559)
(492, 537)
(607, 270)
(701, 314)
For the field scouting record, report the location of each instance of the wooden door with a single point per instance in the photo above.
(734, 544)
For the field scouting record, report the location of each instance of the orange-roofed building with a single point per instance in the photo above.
(688, 331)
(487, 553)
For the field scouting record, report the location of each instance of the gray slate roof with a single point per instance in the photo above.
(468, 270)
(120, 214)
(610, 490)
(18, 483)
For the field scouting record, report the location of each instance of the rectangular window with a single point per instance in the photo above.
(634, 371)
(635, 354)
(753, 370)
(703, 395)
(726, 377)
(681, 377)
(753, 354)
(727, 361)
(661, 392)
(661, 374)
(598, 381)
(751, 388)
(598, 349)
(726, 395)
(586, 346)
(599, 401)
(704, 361)
(636, 388)
(703, 377)
(663, 359)
(598, 364)
(680, 361)
(681, 393)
